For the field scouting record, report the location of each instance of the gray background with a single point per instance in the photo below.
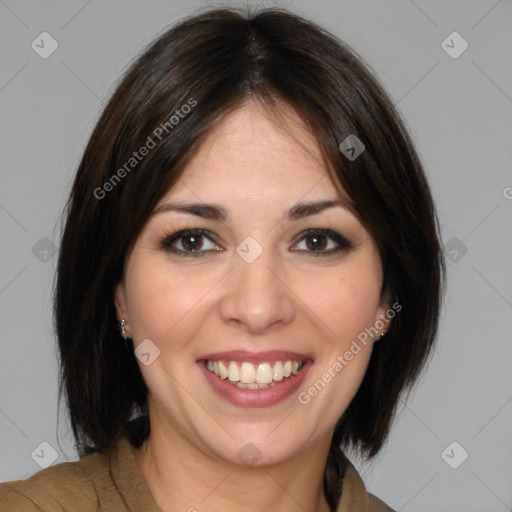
(459, 113)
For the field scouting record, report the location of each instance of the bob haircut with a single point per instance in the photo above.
(189, 78)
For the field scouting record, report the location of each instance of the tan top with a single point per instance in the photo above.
(113, 482)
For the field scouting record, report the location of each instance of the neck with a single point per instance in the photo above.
(182, 477)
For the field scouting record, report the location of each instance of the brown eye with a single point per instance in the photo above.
(316, 242)
(192, 242)
(323, 242)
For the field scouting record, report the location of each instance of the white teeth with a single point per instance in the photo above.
(264, 374)
(233, 372)
(247, 373)
(223, 371)
(250, 376)
(278, 371)
(251, 385)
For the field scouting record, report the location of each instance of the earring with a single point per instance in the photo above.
(382, 334)
(121, 328)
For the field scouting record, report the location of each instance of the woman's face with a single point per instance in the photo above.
(255, 287)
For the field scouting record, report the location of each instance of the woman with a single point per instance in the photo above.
(250, 276)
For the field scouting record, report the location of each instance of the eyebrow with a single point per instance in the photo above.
(215, 212)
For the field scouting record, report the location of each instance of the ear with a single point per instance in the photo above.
(382, 318)
(120, 302)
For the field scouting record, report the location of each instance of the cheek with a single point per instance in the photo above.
(161, 303)
(153, 302)
(346, 302)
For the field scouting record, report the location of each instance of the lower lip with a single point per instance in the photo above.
(255, 397)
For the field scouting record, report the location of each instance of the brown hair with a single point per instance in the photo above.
(212, 62)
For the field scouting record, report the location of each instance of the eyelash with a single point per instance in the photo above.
(343, 244)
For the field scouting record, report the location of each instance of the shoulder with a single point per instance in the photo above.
(354, 495)
(75, 486)
(377, 505)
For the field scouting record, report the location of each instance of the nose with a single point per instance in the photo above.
(257, 297)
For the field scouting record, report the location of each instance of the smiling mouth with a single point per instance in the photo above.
(246, 375)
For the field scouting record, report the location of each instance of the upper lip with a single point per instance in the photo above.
(269, 356)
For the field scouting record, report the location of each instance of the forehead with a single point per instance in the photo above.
(251, 153)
